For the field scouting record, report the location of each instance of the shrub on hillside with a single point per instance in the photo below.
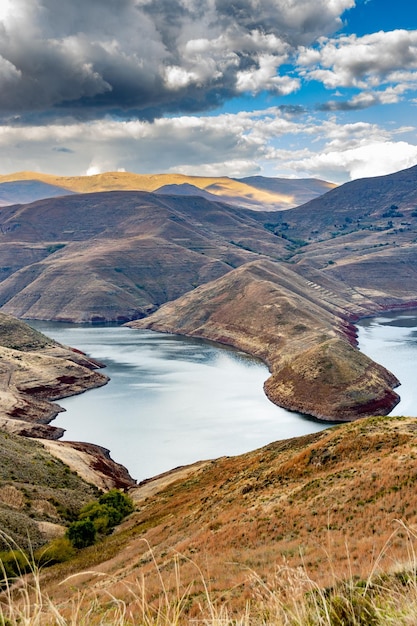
(102, 516)
(82, 533)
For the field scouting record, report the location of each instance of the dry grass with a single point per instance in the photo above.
(276, 536)
(337, 505)
(290, 598)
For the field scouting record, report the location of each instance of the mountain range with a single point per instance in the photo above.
(255, 192)
(286, 286)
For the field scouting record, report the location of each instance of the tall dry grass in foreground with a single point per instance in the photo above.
(291, 598)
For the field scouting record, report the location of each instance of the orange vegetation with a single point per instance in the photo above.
(337, 503)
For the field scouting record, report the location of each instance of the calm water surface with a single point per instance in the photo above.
(171, 400)
(391, 340)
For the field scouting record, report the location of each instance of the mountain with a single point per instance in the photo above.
(284, 285)
(24, 191)
(117, 256)
(302, 189)
(265, 193)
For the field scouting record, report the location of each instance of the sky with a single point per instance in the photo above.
(285, 88)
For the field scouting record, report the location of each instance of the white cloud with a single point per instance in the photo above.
(372, 159)
(271, 142)
(150, 57)
(265, 78)
(362, 62)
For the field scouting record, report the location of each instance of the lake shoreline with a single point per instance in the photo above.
(381, 311)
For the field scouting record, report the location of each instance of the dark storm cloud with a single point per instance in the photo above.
(348, 105)
(148, 57)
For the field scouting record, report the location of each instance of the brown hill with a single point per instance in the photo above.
(34, 371)
(270, 311)
(258, 193)
(117, 256)
(336, 504)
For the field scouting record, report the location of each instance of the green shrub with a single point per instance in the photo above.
(118, 500)
(82, 533)
(57, 551)
(103, 516)
(99, 518)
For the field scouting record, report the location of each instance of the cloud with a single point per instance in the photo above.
(362, 62)
(366, 99)
(282, 141)
(373, 159)
(145, 58)
(226, 144)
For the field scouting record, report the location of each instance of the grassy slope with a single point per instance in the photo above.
(35, 487)
(329, 502)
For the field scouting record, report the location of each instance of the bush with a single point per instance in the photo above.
(82, 533)
(57, 551)
(118, 500)
(99, 518)
(103, 516)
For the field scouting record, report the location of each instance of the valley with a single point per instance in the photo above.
(286, 286)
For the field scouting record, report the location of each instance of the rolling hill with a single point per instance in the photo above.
(258, 193)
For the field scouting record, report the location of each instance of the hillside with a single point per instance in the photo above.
(44, 483)
(23, 191)
(337, 504)
(301, 333)
(38, 493)
(34, 372)
(259, 193)
(117, 256)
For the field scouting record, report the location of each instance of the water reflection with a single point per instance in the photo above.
(170, 400)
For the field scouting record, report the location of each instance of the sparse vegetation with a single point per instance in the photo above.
(290, 598)
(37, 488)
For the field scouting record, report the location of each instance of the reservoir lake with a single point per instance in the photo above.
(171, 400)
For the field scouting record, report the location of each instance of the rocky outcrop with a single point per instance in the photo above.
(34, 372)
(93, 463)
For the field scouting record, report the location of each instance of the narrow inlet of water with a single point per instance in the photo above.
(171, 400)
(391, 340)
